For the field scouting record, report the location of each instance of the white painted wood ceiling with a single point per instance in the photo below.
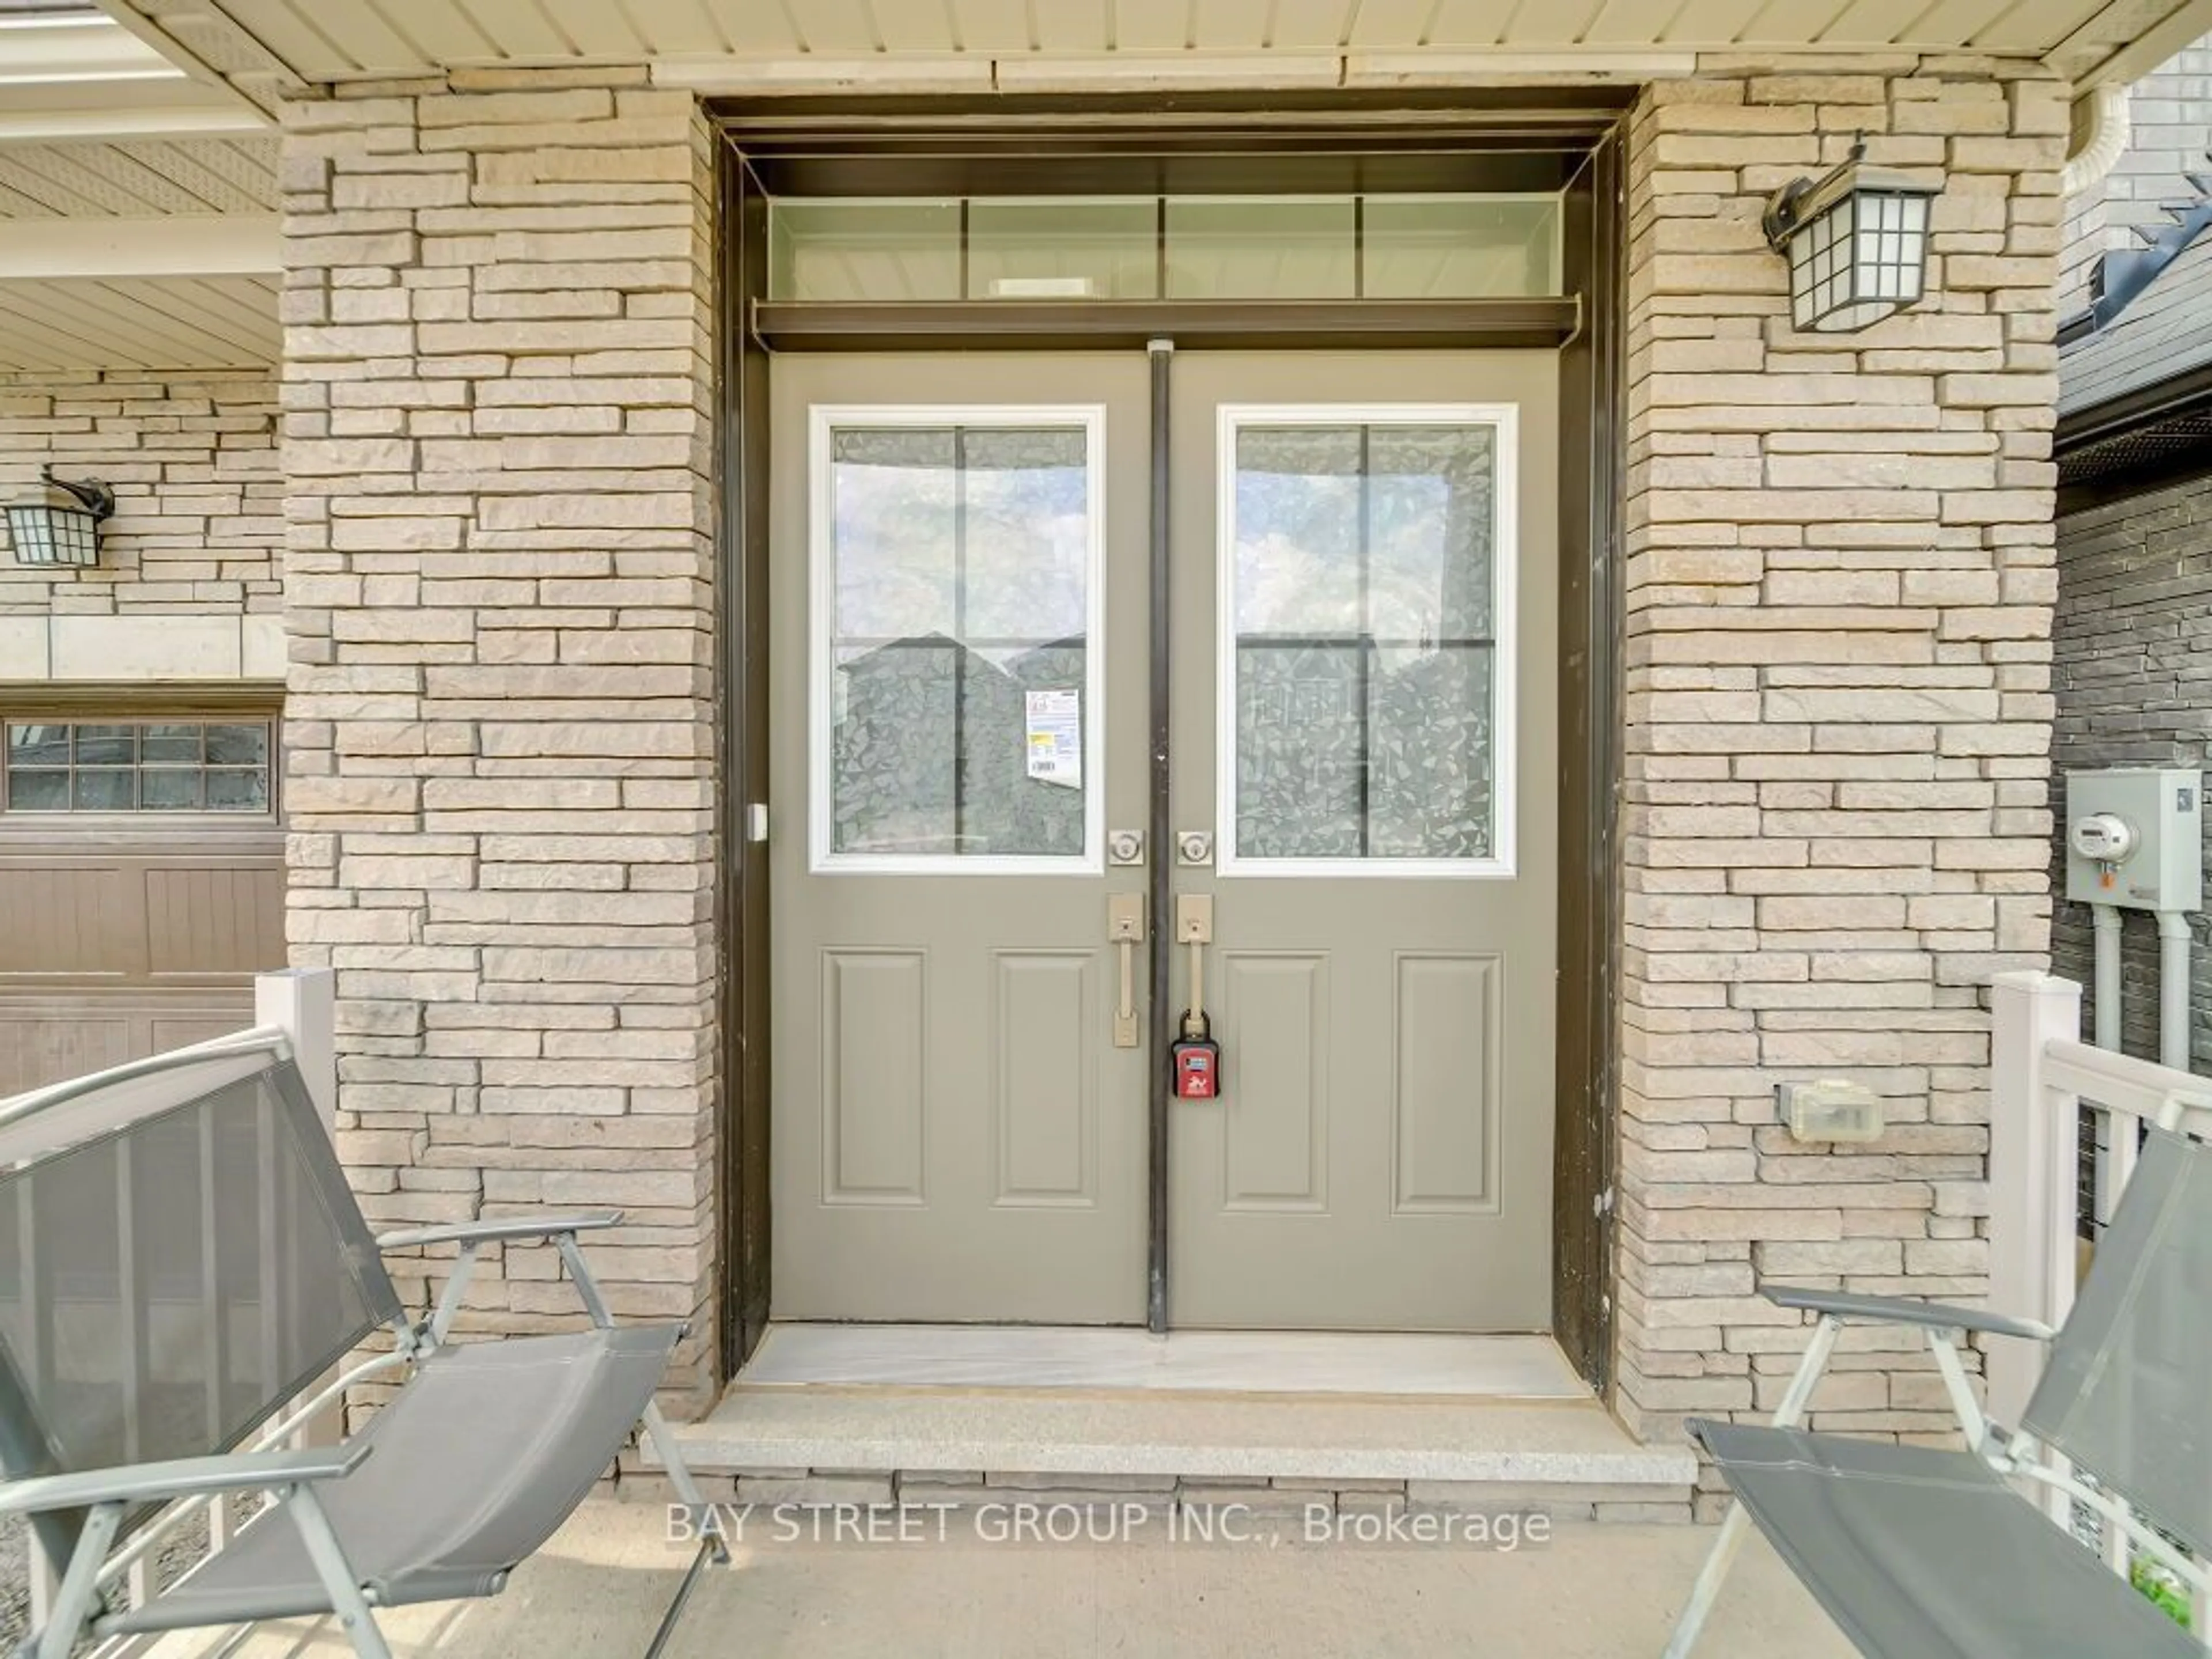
(267, 47)
(167, 322)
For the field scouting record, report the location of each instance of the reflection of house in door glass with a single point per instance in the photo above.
(961, 576)
(929, 753)
(1364, 642)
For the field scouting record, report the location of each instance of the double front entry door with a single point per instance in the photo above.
(1362, 673)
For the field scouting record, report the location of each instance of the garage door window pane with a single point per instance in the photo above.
(169, 789)
(170, 745)
(39, 745)
(238, 745)
(112, 767)
(104, 789)
(106, 745)
(38, 792)
(237, 792)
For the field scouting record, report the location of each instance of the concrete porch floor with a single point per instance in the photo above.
(1594, 1592)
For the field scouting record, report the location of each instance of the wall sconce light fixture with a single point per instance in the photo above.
(60, 524)
(1857, 241)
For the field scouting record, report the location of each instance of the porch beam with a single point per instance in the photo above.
(1075, 324)
(227, 245)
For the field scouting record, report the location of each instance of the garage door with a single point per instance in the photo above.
(141, 880)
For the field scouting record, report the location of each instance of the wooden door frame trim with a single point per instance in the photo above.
(1592, 727)
(1592, 364)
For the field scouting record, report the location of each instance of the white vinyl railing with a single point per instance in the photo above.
(295, 1007)
(2042, 1078)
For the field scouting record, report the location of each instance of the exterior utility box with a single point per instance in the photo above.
(2134, 838)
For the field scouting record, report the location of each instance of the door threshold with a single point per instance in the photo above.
(1395, 1364)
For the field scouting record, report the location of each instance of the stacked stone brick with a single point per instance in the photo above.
(502, 715)
(199, 522)
(1840, 579)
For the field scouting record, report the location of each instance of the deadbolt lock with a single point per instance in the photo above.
(1193, 848)
(1125, 846)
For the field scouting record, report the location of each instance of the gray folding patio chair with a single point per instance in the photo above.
(181, 1267)
(1920, 1554)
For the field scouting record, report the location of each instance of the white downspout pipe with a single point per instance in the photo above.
(2104, 981)
(2102, 145)
(2173, 942)
(2115, 1156)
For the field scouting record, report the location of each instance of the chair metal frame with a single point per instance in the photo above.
(291, 1477)
(2011, 1453)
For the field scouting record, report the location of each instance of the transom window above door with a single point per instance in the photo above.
(1366, 640)
(1132, 248)
(955, 717)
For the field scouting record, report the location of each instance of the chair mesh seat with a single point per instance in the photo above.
(477, 1461)
(1925, 1554)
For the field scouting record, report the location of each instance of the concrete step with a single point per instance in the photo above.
(828, 1444)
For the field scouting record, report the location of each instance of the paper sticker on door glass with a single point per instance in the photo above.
(961, 629)
(1055, 729)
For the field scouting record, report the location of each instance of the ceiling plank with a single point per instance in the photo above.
(752, 28)
(1468, 22)
(1710, 22)
(840, 28)
(1550, 22)
(521, 30)
(993, 25)
(440, 30)
(2034, 25)
(1311, 25)
(1792, 22)
(1951, 23)
(1151, 25)
(1873, 22)
(360, 31)
(1231, 25)
(215, 175)
(281, 28)
(1625, 22)
(1072, 25)
(90, 309)
(917, 26)
(1389, 25)
(597, 28)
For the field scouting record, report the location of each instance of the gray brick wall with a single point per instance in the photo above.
(2170, 122)
(2133, 676)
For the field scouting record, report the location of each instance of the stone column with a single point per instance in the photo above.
(1840, 579)
(498, 415)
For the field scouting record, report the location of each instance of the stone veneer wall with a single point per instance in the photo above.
(498, 313)
(199, 514)
(1840, 581)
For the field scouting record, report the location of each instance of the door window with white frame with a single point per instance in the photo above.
(956, 614)
(1366, 652)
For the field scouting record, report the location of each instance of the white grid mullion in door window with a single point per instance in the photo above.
(957, 649)
(1364, 639)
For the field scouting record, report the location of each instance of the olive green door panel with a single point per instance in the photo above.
(1372, 744)
(959, 607)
